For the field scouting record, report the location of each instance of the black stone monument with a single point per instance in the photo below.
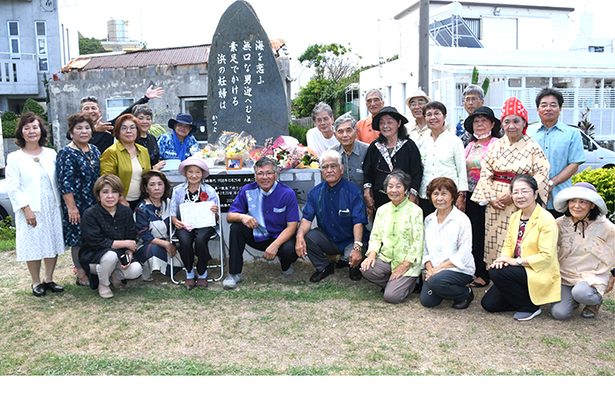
(246, 91)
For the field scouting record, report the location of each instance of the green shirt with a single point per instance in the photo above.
(397, 235)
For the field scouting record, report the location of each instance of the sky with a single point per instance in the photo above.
(371, 32)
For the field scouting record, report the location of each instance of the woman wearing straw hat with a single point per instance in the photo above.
(586, 253)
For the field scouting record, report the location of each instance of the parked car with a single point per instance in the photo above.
(6, 209)
(595, 155)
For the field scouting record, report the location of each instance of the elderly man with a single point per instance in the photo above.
(415, 103)
(264, 215)
(179, 143)
(374, 101)
(338, 206)
(562, 144)
(321, 137)
(101, 134)
(473, 98)
(352, 151)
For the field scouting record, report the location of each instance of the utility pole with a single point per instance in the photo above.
(424, 45)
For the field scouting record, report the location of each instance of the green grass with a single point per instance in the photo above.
(554, 341)
(609, 305)
(7, 244)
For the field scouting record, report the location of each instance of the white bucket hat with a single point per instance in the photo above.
(582, 190)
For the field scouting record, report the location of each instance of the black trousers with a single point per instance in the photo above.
(476, 213)
(195, 242)
(509, 291)
(241, 235)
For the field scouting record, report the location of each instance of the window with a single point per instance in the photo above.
(474, 25)
(14, 46)
(514, 82)
(114, 106)
(40, 29)
(197, 107)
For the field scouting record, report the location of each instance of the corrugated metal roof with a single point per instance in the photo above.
(142, 58)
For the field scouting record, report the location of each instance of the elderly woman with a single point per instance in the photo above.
(526, 275)
(31, 187)
(515, 153)
(178, 144)
(126, 159)
(374, 100)
(442, 156)
(484, 129)
(194, 240)
(77, 169)
(144, 115)
(448, 262)
(395, 251)
(392, 150)
(108, 238)
(415, 103)
(152, 224)
(321, 137)
(586, 253)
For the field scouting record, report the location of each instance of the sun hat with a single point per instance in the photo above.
(581, 190)
(417, 94)
(514, 106)
(196, 162)
(181, 118)
(485, 111)
(392, 111)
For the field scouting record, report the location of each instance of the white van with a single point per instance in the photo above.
(595, 155)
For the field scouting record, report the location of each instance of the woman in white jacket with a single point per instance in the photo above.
(31, 184)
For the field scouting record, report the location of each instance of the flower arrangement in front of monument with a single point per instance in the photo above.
(230, 145)
(288, 152)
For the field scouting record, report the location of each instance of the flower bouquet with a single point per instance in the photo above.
(287, 152)
(237, 146)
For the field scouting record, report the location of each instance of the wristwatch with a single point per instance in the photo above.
(519, 261)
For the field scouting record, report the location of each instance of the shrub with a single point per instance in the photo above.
(9, 123)
(7, 234)
(604, 181)
(298, 132)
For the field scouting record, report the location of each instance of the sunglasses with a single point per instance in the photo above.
(90, 98)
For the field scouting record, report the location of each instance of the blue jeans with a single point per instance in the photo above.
(446, 284)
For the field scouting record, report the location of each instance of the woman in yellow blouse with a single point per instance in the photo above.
(395, 249)
(526, 275)
(126, 159)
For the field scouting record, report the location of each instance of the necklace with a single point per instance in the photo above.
(193, 197)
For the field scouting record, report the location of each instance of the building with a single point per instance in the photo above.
(521, 48)
(118, 38)
(37, 38)
(119, 79)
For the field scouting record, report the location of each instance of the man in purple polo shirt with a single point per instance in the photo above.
(264, 215)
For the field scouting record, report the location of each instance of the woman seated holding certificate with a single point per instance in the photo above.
(194, 211)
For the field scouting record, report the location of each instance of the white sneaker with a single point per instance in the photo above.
(231, 281)
(523, 316)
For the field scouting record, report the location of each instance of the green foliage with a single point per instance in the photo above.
(486, 81)
(33, 106)
(585, 124)
(299, 132)
(90, 45)
(157, 130)
(604, 181)
(316, 90)
(7, 234)
(9, 124)
(317, 55)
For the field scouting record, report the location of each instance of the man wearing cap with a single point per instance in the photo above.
(178, 144)
(101, 134)
(374, 101)
(338, 206)
(473, 98)
(415, 103)
(351, 151)
(264, 215)
(586, 250)
(561, 143)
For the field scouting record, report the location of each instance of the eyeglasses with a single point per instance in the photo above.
(261, 174)
(471, 99)
(522, 192)
(128, 128)
(89, 98)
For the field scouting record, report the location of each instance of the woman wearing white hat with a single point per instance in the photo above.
(585, 250)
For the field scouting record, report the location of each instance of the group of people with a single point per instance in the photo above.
(409, 206)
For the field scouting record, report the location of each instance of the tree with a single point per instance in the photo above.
(486, 81)
(90, 45)
(332, 61)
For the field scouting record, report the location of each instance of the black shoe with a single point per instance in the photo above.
(341, 264)
(355, 274)
(464, 303)
(39, 290)
(54, 287)
(320, 275)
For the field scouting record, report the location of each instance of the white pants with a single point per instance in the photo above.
(110, 264)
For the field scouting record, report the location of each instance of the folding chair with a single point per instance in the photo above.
(218, 235)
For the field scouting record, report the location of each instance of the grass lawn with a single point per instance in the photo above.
(280, 326)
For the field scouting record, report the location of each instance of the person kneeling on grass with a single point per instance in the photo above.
(395, 249)
(526, 275)
(448, 261)
(263, 215)
(108, 236)
(337, 204)
(586, 250)
(194, 240)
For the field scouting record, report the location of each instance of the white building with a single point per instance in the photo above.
(520, 48)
